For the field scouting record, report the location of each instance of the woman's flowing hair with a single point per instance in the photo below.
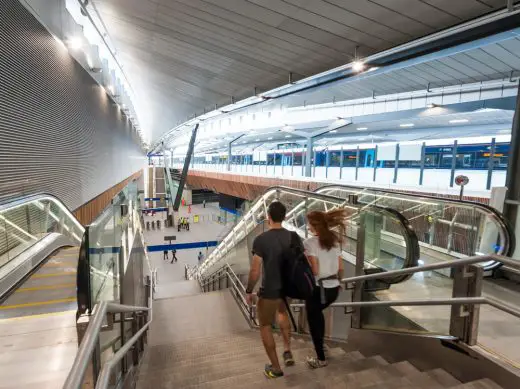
(325, 222)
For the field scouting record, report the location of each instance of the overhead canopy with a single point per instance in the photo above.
(184, 56)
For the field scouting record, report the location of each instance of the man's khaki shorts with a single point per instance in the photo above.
(266, 310)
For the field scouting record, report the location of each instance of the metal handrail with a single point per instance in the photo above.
(435, 266)
(510, 240)
(79, 367)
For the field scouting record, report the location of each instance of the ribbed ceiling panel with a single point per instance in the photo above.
(59, 131)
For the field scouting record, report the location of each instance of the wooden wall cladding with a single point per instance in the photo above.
(250, 187)
(89, 211)
(244, 187)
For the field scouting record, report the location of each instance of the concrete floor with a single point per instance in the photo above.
(38, 326)
(171, 282)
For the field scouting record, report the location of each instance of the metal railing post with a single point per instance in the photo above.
(360, 270)
(467, 282)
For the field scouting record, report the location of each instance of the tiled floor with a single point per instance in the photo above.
(170, 276)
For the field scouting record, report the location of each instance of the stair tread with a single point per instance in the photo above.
(484, 383)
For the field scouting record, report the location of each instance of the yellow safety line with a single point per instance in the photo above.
(36, 304)
(45, 287)
(67, 273)
(514, 364)
(37, 316)
(61, 264)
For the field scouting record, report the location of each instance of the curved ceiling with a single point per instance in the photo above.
(184, 56)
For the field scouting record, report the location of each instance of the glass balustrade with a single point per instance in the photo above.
(27, 220)
(384, 252)
(446, 229)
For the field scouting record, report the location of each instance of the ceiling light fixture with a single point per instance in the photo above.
(75, 43)
(358, 66)
(287, 136)
(270, 138)
(457, 121)
(333, 131)
(406, 125)
(257, 140)
(362, 128)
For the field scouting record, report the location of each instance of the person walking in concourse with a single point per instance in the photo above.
(174, 255)
(324, 253)
(268, 249)
(165, 255)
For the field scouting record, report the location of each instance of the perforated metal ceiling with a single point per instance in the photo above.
(185, 56)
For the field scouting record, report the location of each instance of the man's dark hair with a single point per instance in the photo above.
(277, 211)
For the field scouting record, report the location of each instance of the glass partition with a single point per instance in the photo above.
(446, 228)
(395, 251)
(27, 220)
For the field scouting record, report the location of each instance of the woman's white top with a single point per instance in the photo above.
(328, 260)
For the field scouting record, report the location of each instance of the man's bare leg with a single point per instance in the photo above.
(266, 333)
(285, 328)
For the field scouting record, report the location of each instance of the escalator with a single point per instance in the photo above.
(447, 229)
(50, 288)
(395, 250)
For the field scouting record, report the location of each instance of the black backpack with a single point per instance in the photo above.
(298, 282)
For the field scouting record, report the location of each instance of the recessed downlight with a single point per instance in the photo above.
(287, 136)
(362, 128)
(333, 131)
(458, 121)
(270, 138)
(406, 125)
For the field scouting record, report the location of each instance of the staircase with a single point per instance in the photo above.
(203, 341)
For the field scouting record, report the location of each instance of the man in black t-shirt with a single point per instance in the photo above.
(267, 254)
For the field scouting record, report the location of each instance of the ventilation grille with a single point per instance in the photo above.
(59, 131)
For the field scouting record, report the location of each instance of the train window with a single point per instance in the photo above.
(270, 159)
(367, 157)
(278, 159)
(349, 158)
(298, 159)
(335, 158)
(320, 158)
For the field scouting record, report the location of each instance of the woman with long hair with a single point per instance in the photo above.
(323, 251)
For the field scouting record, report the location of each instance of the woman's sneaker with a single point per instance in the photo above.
(315, 363)
(271, 373)
(288, 358)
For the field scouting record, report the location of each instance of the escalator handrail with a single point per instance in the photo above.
(412, 244)
(8, 203)
(503, 223)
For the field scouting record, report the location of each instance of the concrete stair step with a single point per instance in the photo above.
(254, 373)
(162, 356)
(196, 375)
(485, 383)
(299, 374)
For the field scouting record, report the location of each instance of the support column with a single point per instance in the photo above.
(453, 163)
(375, 165)
(308, 157)
(341, 155)
(491, 163)
(327, 163)
(396, 165)
(512, 177)
(229, 156)
(184, 174)
(423, 160)
(357, 162)
(292, 163)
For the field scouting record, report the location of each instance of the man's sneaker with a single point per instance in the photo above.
(271, 373)
(315, 363)
(288, 358)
